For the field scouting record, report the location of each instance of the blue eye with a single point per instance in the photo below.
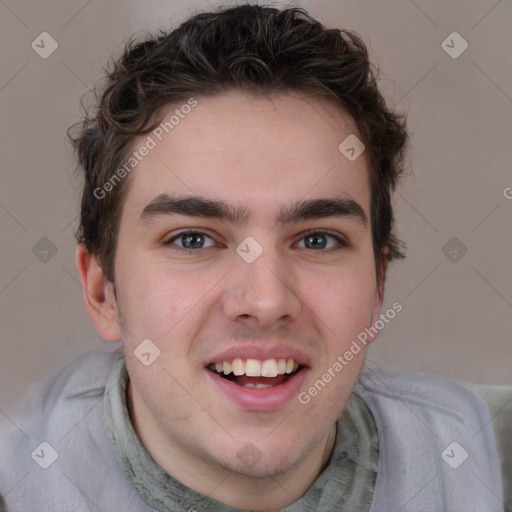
(314, 240)
(318, 240)
(190, 240)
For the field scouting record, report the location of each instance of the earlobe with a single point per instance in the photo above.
(99, 298)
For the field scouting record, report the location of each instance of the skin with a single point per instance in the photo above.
(261, 154)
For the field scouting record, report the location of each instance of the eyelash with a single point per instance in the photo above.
(341, 241)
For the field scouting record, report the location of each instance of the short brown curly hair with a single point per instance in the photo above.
(248, 48)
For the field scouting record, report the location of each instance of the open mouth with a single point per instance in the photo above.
(253, 373)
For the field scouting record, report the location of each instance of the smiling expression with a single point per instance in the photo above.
(245, 255)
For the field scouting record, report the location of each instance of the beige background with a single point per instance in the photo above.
(456, 317)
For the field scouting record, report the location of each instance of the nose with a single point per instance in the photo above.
(261, 293)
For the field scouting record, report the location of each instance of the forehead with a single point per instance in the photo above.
(260, 152)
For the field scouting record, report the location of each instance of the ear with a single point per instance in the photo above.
(99, 296)
(381, 273)
(379, 295)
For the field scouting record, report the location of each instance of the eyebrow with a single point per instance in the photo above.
(196, 206)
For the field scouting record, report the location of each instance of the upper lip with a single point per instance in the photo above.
(261, 353)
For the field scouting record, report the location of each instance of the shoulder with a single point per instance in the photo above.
(72, 382)
(431, 425)
(499, 401)
(428, 425)
(68, 391)
(419, 390)
(61, 441)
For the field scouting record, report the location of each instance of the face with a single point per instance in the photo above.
(245, 255)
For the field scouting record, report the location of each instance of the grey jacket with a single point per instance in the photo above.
(437, 450)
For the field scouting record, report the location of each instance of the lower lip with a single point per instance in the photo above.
(266, 399)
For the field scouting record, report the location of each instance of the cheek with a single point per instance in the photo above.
(153, 300)
(344, 302)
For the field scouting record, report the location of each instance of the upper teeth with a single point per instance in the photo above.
(256, 368)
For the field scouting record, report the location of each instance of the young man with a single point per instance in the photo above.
(236, 226)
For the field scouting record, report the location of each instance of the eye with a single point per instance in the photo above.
(318, 240)
(190, 240)
(195, 240)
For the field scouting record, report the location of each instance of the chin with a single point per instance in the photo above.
(264, 468)
(260, 458)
